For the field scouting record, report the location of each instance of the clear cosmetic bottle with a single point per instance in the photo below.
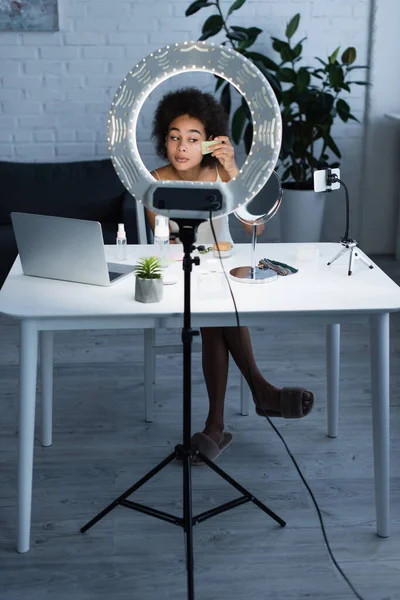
(121, 242)
(161, 239)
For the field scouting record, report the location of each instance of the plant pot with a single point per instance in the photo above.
(148, 290)
(301, 215)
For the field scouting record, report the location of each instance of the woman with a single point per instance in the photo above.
(183, 119)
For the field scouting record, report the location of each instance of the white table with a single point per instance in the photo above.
(316, 294)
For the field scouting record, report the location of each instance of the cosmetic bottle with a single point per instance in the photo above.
(161, 239)
(121, 242)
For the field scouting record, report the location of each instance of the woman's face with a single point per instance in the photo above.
(183, 142)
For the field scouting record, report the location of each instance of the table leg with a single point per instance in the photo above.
(149, 373)
(380, 418)
(332, 377)
(28, 372)
(46, 378)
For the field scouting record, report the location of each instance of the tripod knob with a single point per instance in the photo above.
(196, 260)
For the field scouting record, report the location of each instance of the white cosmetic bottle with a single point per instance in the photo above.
(121, 242)
(161, 239)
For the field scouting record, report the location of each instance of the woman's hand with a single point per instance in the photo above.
(248, 226)
(225, 153)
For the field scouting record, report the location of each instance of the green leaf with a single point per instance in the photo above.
(358, 82)
(286, 174)
(287, 53)
(298, 48)
(220, 81)
(302, 79)
(226, 98)
(277, 44)
(238, 36)
(287, 141)
(197, 5)
(247, 30)
(148, 268)
(246, 110)
(336, 76)
(245, 35)
(292, 26)
(248, 137)
(287, 75)
(235, 6)
(257, 57)
(238, 122)
(247, 43)
(353, 118)
(332, 146)
(320, 60)
(333, 56)
(357, 67)
(343, 110)
(312, 161)
(349, 55)
(212, 26)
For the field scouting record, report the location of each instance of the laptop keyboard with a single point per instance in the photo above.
(114, 275)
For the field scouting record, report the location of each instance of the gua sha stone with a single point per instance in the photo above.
(205, 147)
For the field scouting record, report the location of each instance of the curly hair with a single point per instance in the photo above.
(198, 105)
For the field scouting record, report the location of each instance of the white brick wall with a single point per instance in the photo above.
(56, 88)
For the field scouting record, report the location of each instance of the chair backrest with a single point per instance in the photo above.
(144, 232)
(141, 223)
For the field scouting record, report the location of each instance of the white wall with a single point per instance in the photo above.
(56, 88)
(380, 189)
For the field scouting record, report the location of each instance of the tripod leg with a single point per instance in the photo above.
(364, 260)
(188, 523)
(338, 255)
(129, 491)
(351, 262)
(241, 489)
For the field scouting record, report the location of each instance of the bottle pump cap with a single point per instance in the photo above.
(121, 235)
(161, 228)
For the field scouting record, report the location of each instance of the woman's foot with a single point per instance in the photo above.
(214, 432)
(285, 402)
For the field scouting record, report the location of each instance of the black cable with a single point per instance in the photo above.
(332, 178)
(347, 580)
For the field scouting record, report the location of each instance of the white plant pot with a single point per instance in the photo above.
(148, 290)
(301, 215)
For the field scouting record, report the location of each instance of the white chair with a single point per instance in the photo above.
(151, 350)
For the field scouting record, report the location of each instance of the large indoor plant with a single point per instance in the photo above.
(310, 99)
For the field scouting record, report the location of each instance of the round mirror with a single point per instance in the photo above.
(257, 212)
(264, 205)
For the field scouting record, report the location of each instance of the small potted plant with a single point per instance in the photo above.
(149, 283)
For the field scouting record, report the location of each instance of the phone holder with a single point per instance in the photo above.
(327, 180)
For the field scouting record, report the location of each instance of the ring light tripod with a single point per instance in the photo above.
(206, 200)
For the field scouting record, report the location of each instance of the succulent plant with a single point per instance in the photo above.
(149, 268)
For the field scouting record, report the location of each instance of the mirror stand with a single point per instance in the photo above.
(253, 273)
(258, 211)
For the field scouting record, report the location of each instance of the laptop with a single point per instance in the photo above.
(66, 249)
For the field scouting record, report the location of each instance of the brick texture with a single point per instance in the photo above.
(56, 88)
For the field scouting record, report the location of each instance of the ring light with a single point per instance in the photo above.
(181, 58)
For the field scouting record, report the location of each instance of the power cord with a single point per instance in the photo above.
(347, 580)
